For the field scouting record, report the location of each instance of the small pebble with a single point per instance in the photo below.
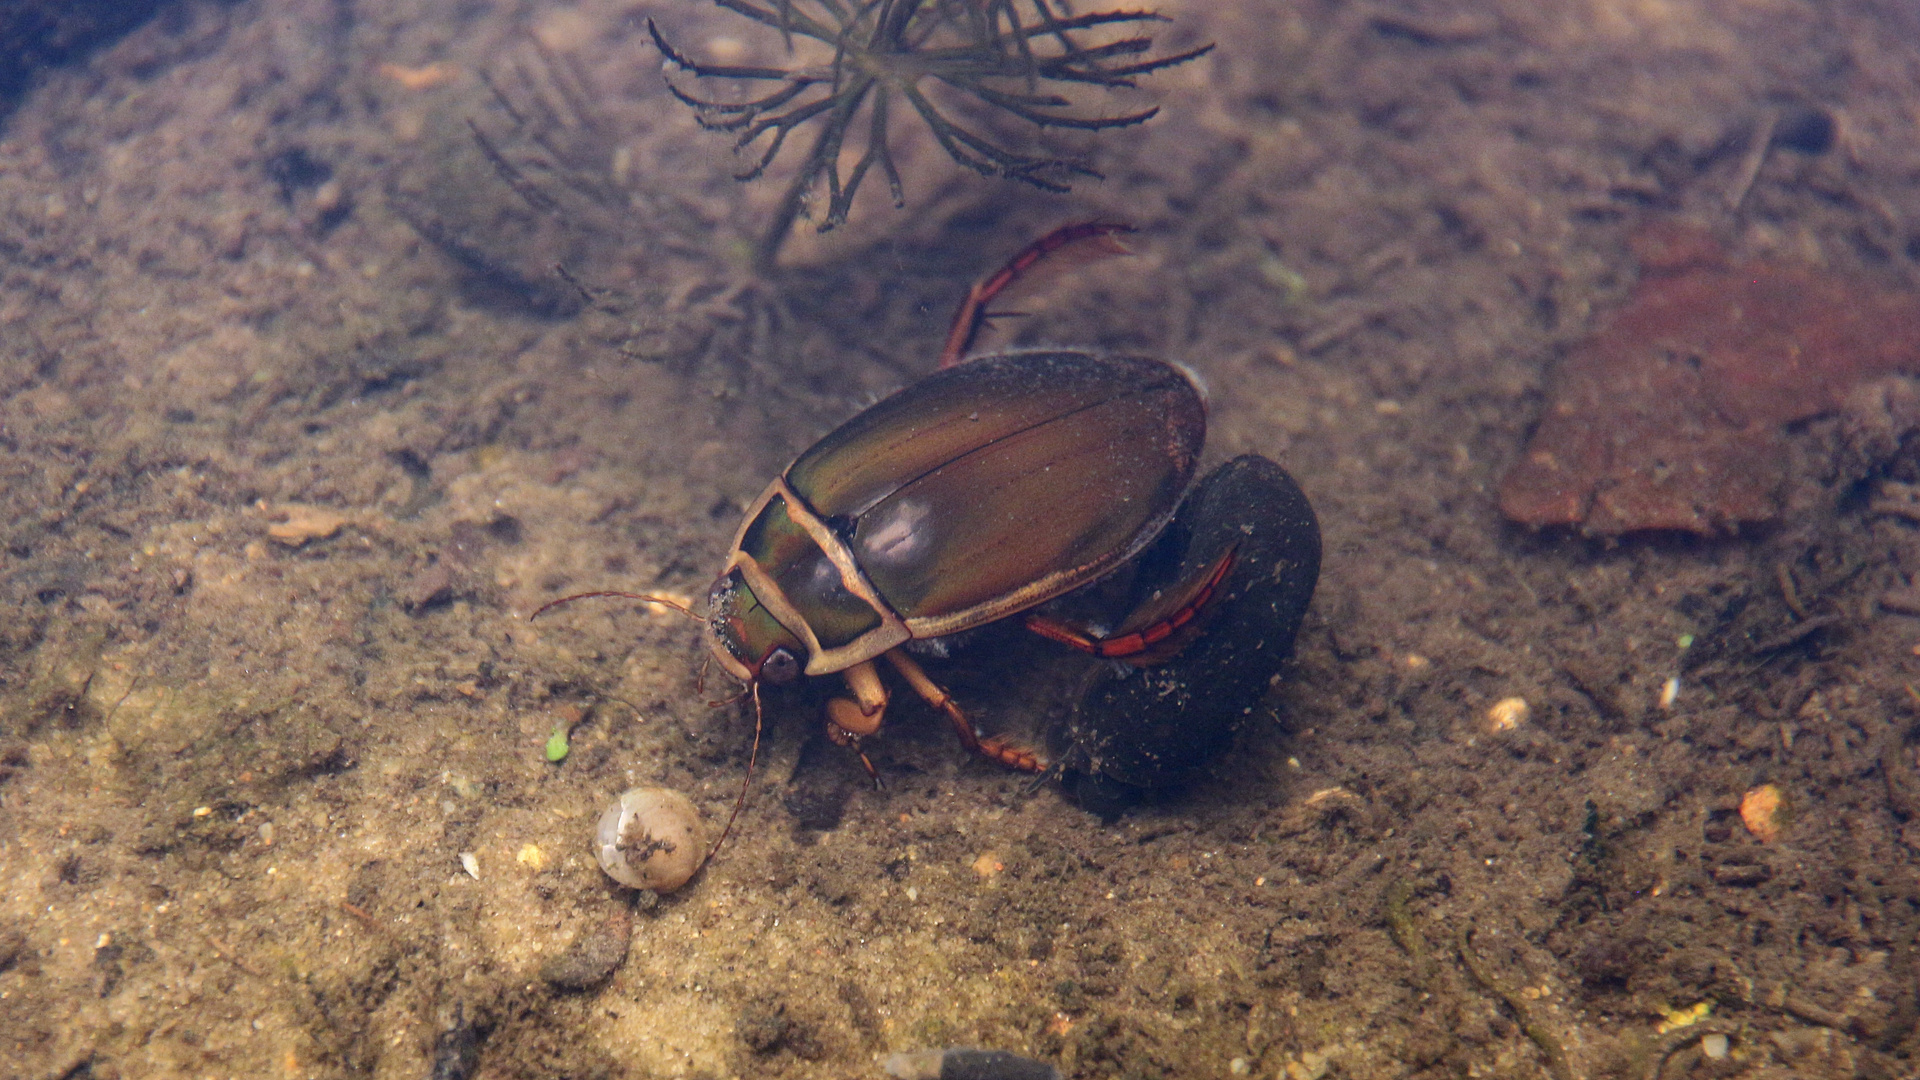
(303, 523)
(1764, 812)
(1508, 713)
(430, 587)
(1714, 1046)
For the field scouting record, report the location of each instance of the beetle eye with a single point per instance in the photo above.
(779, 668)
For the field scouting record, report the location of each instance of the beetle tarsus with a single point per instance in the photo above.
(1012, 754)
(842, 737)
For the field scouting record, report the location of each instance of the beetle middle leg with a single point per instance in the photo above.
(849, 720)
(993, 748)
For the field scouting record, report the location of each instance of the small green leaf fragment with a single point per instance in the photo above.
(557, 745)
(1288, 282)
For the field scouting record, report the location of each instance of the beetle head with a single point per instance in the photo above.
(748, 641)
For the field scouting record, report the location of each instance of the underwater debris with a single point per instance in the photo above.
(1531, 1022)
(966, 1063)
(1671, 417)
(425, 77)
(942, 58)
(456, 1050)
(299, 524)
(593, 957)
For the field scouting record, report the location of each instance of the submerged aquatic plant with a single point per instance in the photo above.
(939, 57)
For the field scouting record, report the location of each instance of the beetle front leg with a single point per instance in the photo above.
(994, 748)
(850, 720)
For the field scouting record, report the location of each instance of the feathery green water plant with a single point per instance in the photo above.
(942, 58)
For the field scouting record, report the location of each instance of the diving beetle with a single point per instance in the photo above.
(975, 494)
(981, 492)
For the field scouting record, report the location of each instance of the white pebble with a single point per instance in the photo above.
(1670, 692)
(1508, 713)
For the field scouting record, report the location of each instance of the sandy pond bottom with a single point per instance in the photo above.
(296, 427)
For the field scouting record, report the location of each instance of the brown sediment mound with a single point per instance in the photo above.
(1671, 416)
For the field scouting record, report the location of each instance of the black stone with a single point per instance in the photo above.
(1161, 725)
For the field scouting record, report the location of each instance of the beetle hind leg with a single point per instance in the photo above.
(1158, 629)
(994, 748)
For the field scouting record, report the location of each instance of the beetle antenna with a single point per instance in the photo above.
(752, 756)
(661, 600)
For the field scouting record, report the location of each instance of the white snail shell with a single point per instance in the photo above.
(652, 838)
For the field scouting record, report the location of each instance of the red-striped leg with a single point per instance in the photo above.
(994, 748)
(1096, 239)
(1156, 630)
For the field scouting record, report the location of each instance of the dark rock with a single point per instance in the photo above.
(1806, 130)
(429, 588)
(456, 1052)
(48, 33)
(763, 1026)
(594, 956)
